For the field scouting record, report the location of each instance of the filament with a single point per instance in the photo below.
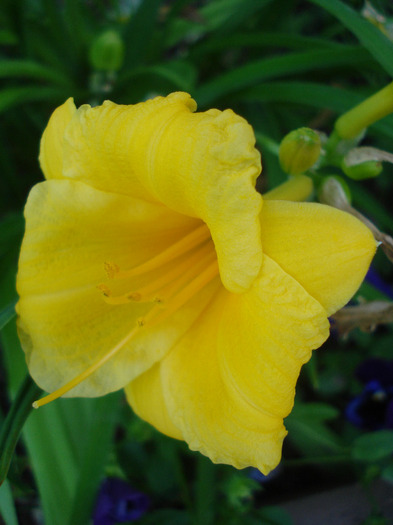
(86, 373)
(185, 244)
(149, 293)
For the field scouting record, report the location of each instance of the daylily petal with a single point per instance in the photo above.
(146, 397)
(326, 250)
(51, 147)
(230, 380)
(64, 323)
(199, 164)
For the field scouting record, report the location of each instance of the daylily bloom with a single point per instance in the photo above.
(149, 263)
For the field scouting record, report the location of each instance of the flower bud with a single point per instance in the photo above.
(364, 163)
(334, 189)
(239, 490)
(365, 170)
(299, 150)
(107, 51)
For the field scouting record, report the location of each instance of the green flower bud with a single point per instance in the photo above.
(332, 188)
(107, 51)
(239, 490)
(364, 163)
(365, 170)
(299, 150)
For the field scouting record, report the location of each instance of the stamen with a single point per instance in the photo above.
(157, 315)
(87, 373)
(121, 299)
(111, 269)
(177, 275)
(205, 258)
(171, 281)
(185, 244)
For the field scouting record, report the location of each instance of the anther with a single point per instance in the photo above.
(111, 269)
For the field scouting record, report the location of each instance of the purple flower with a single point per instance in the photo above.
(118, 502)
(375, 280)
(372, 409)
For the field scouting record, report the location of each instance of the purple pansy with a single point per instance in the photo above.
(372, 409)
(118, 502)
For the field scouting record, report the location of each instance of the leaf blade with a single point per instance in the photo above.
(379, 46)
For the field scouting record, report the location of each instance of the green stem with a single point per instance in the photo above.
(351, 124)
(14, 422)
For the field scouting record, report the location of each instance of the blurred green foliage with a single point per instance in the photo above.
(282, 65)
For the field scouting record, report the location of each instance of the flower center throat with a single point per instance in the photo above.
(178, 274)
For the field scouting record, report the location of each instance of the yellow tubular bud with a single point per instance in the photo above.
(354, 121)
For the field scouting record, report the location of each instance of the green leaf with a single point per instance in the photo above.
(94, 454)
(46, 437)
(13, 424)
(30, 69)
(308, 431)
(13, 358)
(180, 74)
(141, 24)
(7, 37)
(12, 97)
(205, 491)
(225, 15)
(11, 231)
(54, 464)
(305, 93)
(269, 68)
(7, 507)
(378, 44)
(262, 39)
(77, 21)
(219, 17)
(6, 314)
(68, 463)
(315, 411)
(373, 447)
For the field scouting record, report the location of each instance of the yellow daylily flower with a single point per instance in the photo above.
(150, 264)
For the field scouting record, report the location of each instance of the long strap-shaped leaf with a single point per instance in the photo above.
(14, 422)
(7, 313)
(274, 67)
(380, 47)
